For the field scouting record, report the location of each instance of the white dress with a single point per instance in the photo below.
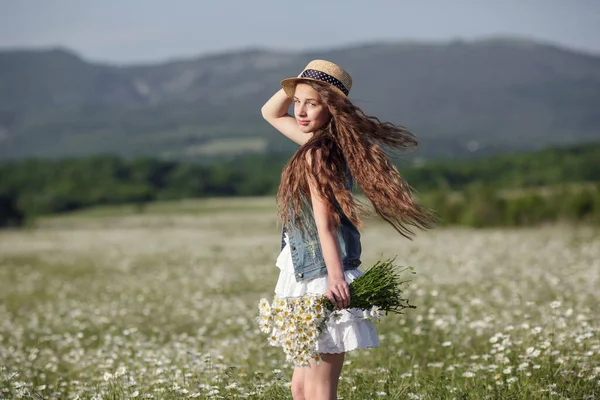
(348, 332)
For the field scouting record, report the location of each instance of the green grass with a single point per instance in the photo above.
(180, 207)
(107, 304)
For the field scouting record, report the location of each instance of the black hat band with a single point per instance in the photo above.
(323, 77)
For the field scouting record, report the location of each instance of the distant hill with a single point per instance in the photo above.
(460, 98)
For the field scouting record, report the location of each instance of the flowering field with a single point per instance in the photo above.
(162, 305)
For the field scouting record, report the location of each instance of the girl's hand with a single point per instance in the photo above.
(338, 292)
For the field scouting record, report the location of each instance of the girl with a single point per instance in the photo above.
(320, 242)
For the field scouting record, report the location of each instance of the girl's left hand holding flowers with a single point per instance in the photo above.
(338, 292)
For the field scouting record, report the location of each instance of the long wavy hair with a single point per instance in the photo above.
(353, 139)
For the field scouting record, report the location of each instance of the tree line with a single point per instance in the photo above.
(519, 189)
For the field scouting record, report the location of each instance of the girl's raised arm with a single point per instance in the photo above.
(275, 113)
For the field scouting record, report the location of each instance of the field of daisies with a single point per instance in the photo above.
(110, 304)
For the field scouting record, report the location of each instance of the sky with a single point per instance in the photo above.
(143, 31)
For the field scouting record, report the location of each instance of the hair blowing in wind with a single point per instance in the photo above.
(351, 137)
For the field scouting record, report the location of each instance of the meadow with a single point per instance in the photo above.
(112, 303)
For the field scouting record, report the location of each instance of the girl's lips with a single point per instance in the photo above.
(304, 123)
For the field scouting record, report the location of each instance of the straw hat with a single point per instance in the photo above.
(321, 71)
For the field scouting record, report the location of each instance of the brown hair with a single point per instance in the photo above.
(354, 139)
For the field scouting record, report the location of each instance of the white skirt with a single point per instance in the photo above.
(348, 332)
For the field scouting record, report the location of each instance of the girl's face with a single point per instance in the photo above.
(311, 114)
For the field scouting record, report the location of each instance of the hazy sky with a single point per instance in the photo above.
(127, 31)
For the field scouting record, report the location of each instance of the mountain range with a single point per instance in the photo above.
(460, 99)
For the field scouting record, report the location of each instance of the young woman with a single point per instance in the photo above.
(321, 247)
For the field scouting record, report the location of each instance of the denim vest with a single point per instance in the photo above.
(307, 256)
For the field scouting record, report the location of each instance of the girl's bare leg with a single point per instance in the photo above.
(298, 383)
(321, 381)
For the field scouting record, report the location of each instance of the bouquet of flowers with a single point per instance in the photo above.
(295, 323)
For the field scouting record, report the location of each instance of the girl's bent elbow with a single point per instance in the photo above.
(268, 116)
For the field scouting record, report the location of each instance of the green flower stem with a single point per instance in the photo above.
(381, 286)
